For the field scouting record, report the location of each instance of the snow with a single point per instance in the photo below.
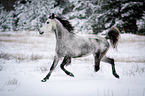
(25, 59)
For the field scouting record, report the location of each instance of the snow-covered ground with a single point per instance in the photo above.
(25, 59)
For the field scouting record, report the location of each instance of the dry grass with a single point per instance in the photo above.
(130, 59)
(12, 82)
(133, 38)
(1, 67)
(20, 57)
(135, 69)
(32, 40)
(43, 69)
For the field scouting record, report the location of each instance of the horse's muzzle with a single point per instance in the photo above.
(40, 31)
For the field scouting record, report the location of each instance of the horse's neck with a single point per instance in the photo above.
(62, 34)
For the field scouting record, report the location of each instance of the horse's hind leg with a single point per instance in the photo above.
(97, 61)
(98, 56)
(111, 61)
(55, 62)
(66, 61)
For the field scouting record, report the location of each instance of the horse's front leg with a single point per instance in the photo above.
(55, 62)
(66, 61)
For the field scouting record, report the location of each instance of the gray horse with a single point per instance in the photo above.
(70, 45)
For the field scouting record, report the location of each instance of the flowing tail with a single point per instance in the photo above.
(113, 36)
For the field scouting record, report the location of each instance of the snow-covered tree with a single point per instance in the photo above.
(121, 13)
(6, 21)
(131, 12)
(31, 15)
(141, 25)
(82, 11)
(3, 14)
(85, 15)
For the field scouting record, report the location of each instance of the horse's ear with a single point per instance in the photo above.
(52, 16)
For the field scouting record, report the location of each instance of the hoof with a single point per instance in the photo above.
(97, 69)
(44, 80)
(116, 75)
(70, 74)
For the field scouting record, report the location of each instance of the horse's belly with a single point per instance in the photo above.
(82, 50)
(76, 48)
(75, 51)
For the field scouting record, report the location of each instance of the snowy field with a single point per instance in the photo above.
(25, 59)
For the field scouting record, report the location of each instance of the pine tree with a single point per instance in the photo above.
(141, 25)
(81, 14)
(6, 21)
(131, 12)
(85, 15)
(109, 13)
(3, 14)
(32, 14)
(121, 13)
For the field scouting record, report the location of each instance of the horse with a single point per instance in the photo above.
(69, 45)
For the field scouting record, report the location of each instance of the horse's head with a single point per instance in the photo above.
(49, 25)
(54, 21)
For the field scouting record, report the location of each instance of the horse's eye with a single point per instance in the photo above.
(47, 22)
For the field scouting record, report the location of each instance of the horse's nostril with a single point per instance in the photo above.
(41, 32)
